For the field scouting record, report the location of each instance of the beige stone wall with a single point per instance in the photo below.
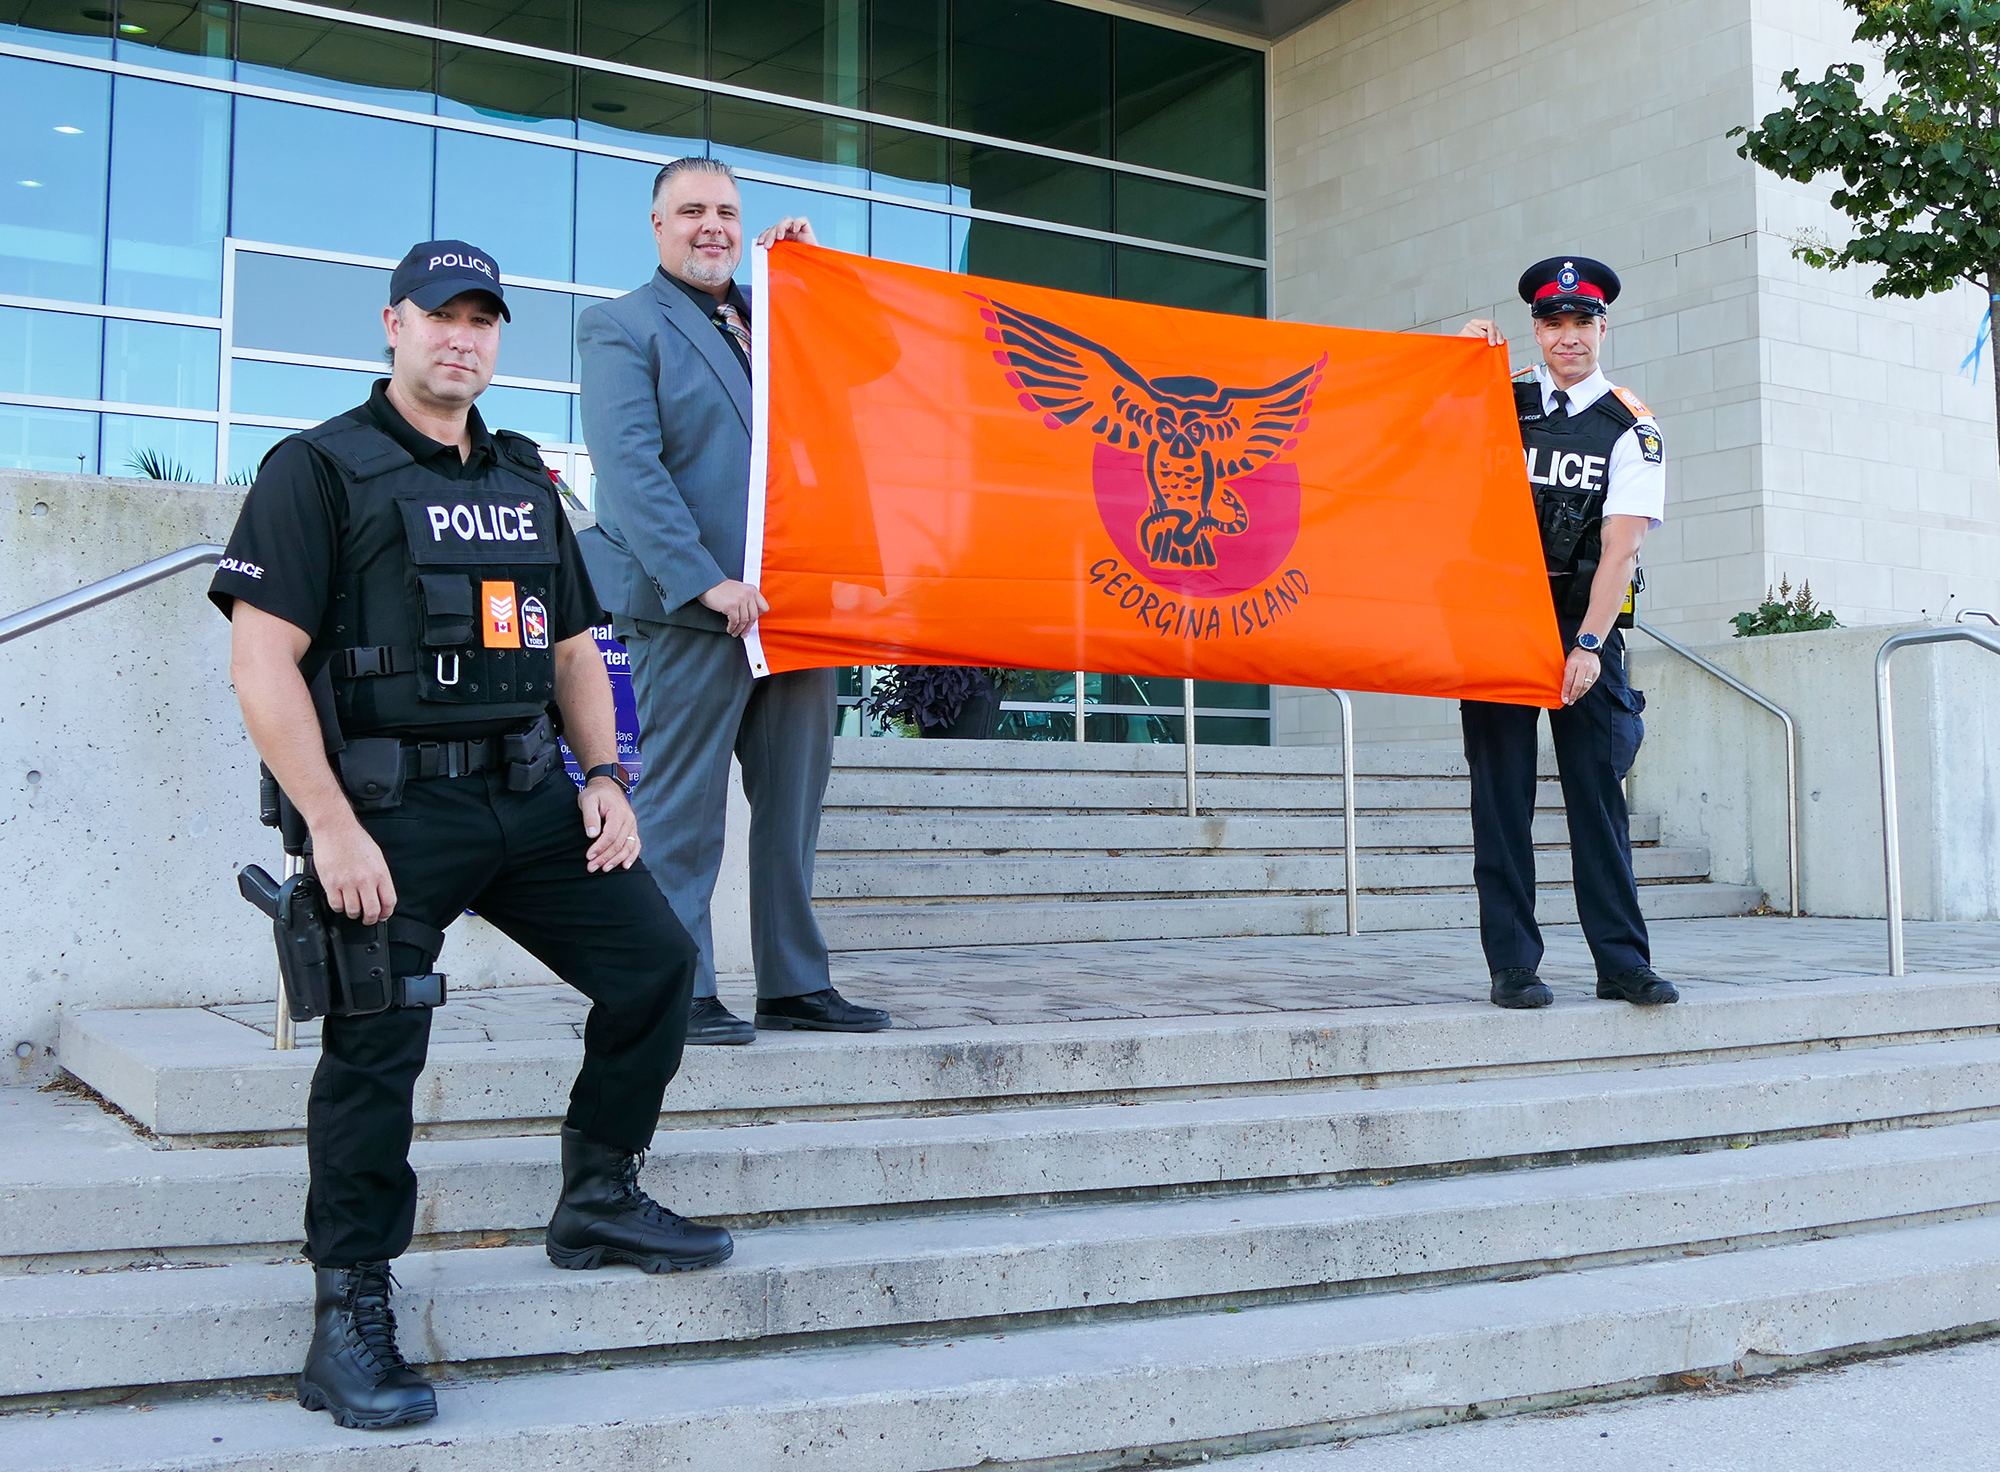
(1424, 154)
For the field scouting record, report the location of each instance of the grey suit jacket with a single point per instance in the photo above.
(666, 415)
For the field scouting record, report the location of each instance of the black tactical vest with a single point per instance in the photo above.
(443, 589)
(1569, 466)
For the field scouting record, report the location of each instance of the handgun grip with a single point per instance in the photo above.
(259, 888)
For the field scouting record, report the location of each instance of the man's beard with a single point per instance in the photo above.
(694, 268)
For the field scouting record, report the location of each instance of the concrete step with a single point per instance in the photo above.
(1089, 877)
(1113, 759)
(1108, 1391)
(879, 927)
(192, 1076)
(945, 831)
(128, 1204)
(1087, 792)
(64, 1332)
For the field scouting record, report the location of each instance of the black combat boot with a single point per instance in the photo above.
(354, 1369)
(1519, 988)
(604, 1217)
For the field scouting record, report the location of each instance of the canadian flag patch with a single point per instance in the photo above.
(502, 623)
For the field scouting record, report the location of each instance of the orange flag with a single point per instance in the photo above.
(951, 470)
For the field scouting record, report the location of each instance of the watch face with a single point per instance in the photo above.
(1589, 642)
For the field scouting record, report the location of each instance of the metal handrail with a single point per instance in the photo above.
(1187, 735)
(202, 554)
(1892, 852)
(1347, 808)
(1791, 752)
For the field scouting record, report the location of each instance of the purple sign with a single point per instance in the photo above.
(618, 665)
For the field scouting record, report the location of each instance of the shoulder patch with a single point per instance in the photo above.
(1650, 446)
(1631, 401)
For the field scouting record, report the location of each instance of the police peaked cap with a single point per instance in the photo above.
(1569, 284)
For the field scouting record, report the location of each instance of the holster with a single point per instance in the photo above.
(332, 967)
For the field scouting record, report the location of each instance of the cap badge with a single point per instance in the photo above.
(1567, 278)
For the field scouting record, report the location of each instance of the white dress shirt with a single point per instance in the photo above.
(1636, 486)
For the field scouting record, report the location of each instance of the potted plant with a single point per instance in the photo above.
(957, 702)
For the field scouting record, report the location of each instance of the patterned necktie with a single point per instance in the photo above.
(731, 322)
(1560, 398)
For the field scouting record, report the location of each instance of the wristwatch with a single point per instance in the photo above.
(1590, 644)
(614, 771)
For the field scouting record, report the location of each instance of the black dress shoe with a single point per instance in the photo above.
(1641, 986)
(712, 1024)
(604, 1217)
(1519, 988)
(354, 1369)
(820, 1011)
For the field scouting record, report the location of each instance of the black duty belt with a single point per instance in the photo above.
(373, 769)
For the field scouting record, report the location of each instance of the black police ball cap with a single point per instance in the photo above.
(1569, 284)
(438, 270)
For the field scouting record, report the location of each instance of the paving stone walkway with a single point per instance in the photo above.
(1004, 985)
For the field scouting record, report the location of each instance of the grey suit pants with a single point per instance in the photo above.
(697, 704)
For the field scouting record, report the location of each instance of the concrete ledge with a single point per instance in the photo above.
(1091, 1390)
(61, 1332)
(1067, 790)
(185, 1072)
(860, 1168)
(916, 833)
(879, 927)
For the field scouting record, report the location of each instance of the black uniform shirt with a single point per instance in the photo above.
(702, 299)
(283, 556)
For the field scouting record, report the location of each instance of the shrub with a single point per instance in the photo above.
(1785, 612)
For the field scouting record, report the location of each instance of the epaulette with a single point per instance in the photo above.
(1632, 401)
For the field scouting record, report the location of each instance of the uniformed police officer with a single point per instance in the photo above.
(1597, 465)
(423, 566)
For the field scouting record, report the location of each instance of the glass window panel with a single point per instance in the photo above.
(1040, 188)
(58, 25)
(1231, 731)
(909, 62)
(159, 363)
(614, 236)
(916, 165)
(317, 308)
(665, 35)
(248, 445)
(48, 439)
(1189, 216)
(294, 391)
(300, 170)
(1153, 690)
(1214, 693)
(1035, 725)
(1184, 281)
(915, 237)
(1139, 730)
(51, 353)
(838, 222)
(169, 196)
(550, 24)
(540, 341)
(1189, 104)
(802, 48)
(539, 415)
(1038, 258)
(416, 12)
(526, 224)
(634, 114)
(1036, 71)
(514, 91)
(759, 135)
(182, 449)
(175, 35)
(55, 126)
(303, 53)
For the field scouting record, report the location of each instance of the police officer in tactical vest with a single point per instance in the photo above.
(410, 629)
(1597, 466)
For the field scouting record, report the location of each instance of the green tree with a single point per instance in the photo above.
(1919, 164)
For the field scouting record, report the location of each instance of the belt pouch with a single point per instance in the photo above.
(530, 755)
(371, 769)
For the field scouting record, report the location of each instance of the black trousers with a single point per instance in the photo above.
(1596, 740)
(517, 858)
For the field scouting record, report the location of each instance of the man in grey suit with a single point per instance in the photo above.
(666, 413)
